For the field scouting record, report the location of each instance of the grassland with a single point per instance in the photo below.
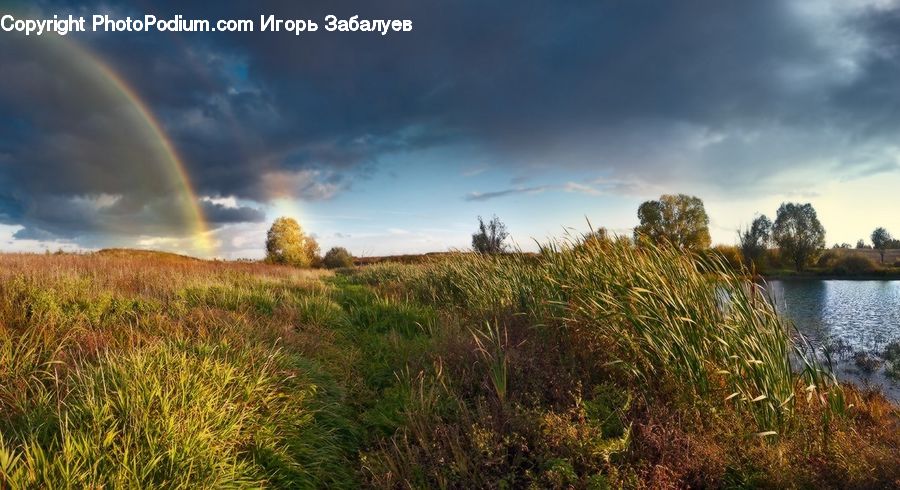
(589, 366)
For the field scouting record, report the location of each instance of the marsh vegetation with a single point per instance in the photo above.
(592, 364)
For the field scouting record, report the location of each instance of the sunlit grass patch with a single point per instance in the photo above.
(184, 417)
(320, 312)
(231, 297)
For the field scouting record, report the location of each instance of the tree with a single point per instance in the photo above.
(755, 240)
(286, 243)
(881, 240)
(798, 233)
(338, 257)
(680, 220)
(861, 243)
(489, 237)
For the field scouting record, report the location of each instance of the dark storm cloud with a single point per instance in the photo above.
(219, 214)
(724, 93)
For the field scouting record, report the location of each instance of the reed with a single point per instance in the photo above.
(662, 316)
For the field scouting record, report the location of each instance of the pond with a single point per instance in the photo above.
(863, 316)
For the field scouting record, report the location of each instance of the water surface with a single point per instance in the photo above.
(866, 314)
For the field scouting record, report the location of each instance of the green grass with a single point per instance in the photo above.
(175, 416)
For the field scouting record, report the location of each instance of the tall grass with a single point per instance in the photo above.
(129, 372)
(197, 416)
(663, 317)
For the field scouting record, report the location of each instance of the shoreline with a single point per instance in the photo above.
(806, 276)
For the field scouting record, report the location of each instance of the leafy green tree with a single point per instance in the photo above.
(680, 220)
(881, 240)
(755, 240)
(490, 237)
(286, 243)
(798, 233)
(337, 257)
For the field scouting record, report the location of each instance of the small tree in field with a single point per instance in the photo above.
(798, 233)
(489, 237)
(286, 243)
(337, 257)
(881, 239)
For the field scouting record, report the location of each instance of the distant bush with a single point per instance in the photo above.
(730, 254)
(773, 257)
(755, 240)
(490, 237)
(338, 257)
(829, 258)
(853, 264)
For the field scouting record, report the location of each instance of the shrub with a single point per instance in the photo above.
(338, 257)
(866, 363)
(836, 346)
(829, 258)
(755, 240)
(893, 371)
(853, 264)
(731, 255)
(490, 237)
(892, 352)
(773, 257)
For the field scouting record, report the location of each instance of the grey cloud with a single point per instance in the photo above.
(726, 95)
(219, 214)
(486, 196)
(33, 234)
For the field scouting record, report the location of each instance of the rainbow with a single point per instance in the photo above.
(192, 212)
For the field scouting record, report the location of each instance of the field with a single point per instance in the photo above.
(589, 365)
(891, 256)
(858, 262)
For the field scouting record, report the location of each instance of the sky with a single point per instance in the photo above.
(549, 115)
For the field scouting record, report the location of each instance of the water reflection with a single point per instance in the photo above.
(865, 314)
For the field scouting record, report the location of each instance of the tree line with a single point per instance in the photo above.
(797, 233)
(678, 220)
